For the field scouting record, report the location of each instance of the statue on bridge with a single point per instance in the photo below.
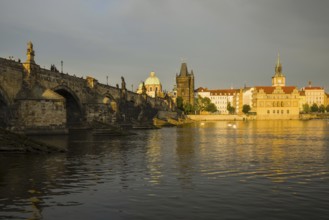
(123, 83)
(29, 64)
(123, 89)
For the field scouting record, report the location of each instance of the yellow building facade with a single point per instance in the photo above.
(277, 101)
(326, 103)
(314, 95)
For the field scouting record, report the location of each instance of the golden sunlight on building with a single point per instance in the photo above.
(314, 95)
(277, 101)
(222, 97)
(152, 85)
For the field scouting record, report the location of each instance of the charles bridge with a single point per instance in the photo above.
(37, 100)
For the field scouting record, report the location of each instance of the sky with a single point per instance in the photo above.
(227, 43)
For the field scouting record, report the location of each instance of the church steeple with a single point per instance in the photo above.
(278, 79)
(183, 70)
(278, 67)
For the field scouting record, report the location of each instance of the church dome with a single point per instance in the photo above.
(152, 80)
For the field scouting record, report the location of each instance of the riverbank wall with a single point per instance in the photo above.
(252, 117)
(220, 117)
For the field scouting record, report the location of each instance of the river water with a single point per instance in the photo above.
(258, 170)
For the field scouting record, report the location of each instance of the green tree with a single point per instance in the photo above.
(179, 103)
(322, 108)
(327, 108)
(205, 104)
(306, 108)
(246, 108)
(211, 107)
(314, 108)
(188, 108)
(230, 108)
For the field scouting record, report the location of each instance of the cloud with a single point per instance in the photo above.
(225, 42)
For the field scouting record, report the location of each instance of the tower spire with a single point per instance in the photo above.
(278, 79)
(278, 66)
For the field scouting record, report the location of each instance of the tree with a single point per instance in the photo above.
(321, 108)
(314, 108)
(205, 104)
(211, 107)
(246, 108)
(306, 108)
(327, 108)
(230, 109)
(188, 108)
(179, 103)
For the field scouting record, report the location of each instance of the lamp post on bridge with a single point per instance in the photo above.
(61, 66)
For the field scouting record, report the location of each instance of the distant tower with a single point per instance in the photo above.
(278, 79)
(29, 63)
(185, 85)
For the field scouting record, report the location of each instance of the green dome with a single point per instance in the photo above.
(152, 80)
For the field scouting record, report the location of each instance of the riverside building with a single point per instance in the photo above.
(277, 101)
(314, 95)
(222, 97)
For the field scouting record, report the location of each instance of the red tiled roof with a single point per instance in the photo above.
(201, 89)
(270, 89)
(218, 91)
(223, 91)
(313, 88)
(302, 93)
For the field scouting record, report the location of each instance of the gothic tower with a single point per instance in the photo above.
(278, 79)
(185, 85)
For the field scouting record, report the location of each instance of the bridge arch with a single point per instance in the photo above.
(5, 113)
(110, 100)
(74, 113)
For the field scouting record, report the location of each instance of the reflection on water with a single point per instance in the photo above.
(277, 169)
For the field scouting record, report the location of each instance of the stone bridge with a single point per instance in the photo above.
(34, 99)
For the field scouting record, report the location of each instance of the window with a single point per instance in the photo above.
(278, 111)
(273, 111)
(287, 111)
(281, 111)
(268, 111)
